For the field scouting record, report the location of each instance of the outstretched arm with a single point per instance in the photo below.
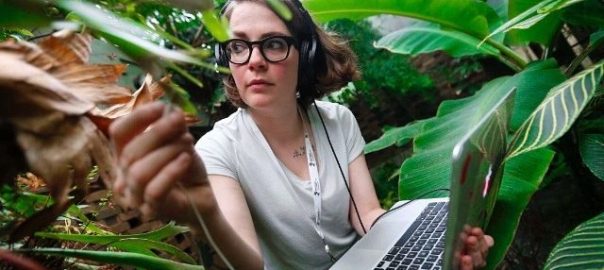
(161, 174)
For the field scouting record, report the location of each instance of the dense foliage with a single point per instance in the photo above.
(549, 51)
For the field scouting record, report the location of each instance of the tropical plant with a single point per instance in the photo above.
(56, 108)
(552, 98)
(384, 74)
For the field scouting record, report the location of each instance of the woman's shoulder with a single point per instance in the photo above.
(335, 111)
(225, 130)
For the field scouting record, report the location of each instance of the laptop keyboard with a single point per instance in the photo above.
(422, 245)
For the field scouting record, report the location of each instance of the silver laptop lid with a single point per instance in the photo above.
(476, 177)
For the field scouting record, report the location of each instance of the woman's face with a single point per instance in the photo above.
(261, 83)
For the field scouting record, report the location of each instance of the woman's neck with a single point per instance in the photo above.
(279, 125)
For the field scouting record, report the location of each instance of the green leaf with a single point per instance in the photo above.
(596, 37)
(394, 136)
(216, 26)
(532, 85)
(521, 14)
(522, 177)
(474, 18)
(147, 247)
(462, 15)
(415, 40)
(559, 6)
(180, 97)
(581, 249)
(430, 167)
(132, 38)
(125, 243)
(557, 112)
(143, 243)
(281, 9)
(591, 147)
(20, 31)
(164, 232)
(587, 13)
(120, 258)
(541, 27)
(22, 14)
(528, 23)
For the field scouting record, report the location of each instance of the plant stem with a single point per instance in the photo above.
(185, 74)
(509, 54)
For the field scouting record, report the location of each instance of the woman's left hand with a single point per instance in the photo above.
(476, 248)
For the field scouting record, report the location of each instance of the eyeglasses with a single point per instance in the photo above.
(274, 49)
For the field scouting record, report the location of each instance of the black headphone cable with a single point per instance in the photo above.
(354, 204)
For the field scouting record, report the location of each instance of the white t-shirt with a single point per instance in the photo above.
(280, 203)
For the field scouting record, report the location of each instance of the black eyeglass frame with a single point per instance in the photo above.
(250, 45)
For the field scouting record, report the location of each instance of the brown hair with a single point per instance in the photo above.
(334, 66)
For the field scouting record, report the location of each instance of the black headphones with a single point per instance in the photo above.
(312, 56)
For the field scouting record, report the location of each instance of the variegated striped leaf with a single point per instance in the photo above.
(558, 111)
(582, 248)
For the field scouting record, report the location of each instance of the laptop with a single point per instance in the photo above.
(425, 233)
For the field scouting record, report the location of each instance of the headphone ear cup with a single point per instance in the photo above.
(220, 55)
(306, 66)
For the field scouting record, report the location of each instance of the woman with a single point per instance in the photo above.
(269, 187)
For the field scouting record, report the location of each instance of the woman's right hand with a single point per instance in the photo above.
(157, 163)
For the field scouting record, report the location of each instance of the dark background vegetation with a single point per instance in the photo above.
(396, 90)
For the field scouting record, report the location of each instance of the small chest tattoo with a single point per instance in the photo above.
(300, 152)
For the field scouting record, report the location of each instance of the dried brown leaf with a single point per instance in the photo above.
(99, 74)
(148, 92)
(64, 55)
(67, 47)
(31, 181)
(27, 91)
(65, 155)
(60, 157)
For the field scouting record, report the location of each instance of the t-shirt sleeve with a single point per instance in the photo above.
(352, 133)
(218, 154)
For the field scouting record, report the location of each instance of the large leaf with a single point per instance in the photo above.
(591, 147)
(423, 39)
(135, 245)
(596, 38)
(435, 144)
(22, 13)
(557, 112)
(394, 136)
(462, 15)
(587, 13)
(539, 27)
(523, 15)
(532, 85)
(157, 235)
(582, 248)
(120, 258)
(132, 38)
(522, 176)
(144, 243)
(474, 18)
